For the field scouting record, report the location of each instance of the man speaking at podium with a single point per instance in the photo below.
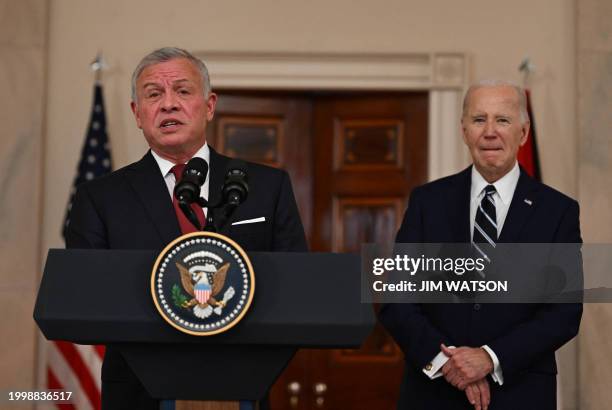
(134, 208)
(503, 356)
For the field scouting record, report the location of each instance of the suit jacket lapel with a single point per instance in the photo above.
(151, 189)
(522, 205)
(459, 203)
(217, 170)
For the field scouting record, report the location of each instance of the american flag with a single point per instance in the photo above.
(72, 367)
(95, 155)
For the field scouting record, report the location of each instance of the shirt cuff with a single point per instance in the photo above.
(497, 375)
(433, 368)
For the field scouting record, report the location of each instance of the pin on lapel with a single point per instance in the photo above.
(528, 201)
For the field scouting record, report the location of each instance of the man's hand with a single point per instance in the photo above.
(465, 365)
(478, 394)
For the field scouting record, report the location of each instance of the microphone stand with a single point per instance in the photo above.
(222, 218)
(189, 213)
(227, 208)
(211, 225)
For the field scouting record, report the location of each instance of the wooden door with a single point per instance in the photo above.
(353, 160)
(370, 152)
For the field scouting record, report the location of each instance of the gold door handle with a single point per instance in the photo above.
(319, 390)
(294, 389)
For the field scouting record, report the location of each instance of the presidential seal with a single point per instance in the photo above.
(202, 283)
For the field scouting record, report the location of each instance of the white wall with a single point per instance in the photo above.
(594, 55)
(22, 67)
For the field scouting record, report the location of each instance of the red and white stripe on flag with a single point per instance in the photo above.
(75, 368)
(202, 295)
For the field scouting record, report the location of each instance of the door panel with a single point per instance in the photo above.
(359, 220)
(253, 139)
(353, 160)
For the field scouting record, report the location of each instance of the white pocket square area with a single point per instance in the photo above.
(250, 221)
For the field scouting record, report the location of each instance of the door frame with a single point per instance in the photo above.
(443, 75)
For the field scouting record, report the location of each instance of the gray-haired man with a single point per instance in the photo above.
(132, 208)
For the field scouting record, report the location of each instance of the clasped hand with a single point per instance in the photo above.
(466, 369)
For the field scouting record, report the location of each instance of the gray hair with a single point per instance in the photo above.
(520, 92)
(164, 54)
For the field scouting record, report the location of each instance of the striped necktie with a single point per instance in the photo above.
(485, 225)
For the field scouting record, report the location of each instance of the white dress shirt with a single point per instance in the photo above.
(505, 187)
(165, 166)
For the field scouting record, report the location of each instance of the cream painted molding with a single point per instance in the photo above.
(444, 75)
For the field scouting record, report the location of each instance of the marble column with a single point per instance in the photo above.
(23, 30)
(594, 70)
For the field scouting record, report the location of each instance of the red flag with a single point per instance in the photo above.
(528, 154)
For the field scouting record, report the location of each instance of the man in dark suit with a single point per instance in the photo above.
(132, 208)
(473, 355)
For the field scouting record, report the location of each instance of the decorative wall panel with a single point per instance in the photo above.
(254, 139)
(369, 143)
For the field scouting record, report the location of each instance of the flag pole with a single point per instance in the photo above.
(526, 68)
(97, 66)
(528, 153)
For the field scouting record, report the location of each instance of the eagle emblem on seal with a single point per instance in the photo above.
(204, 284)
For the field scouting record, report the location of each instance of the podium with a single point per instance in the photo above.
(302, 300)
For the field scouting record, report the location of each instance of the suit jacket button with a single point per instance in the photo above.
(476, 306)
(428, 367)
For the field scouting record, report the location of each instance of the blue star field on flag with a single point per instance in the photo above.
(95, 155)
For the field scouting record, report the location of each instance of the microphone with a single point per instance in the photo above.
(194, 175)
(235, 188)
(234, 191)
